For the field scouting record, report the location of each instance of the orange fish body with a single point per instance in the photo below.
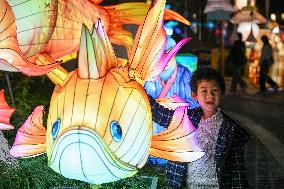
(115, 114)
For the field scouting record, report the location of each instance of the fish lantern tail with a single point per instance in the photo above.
(147, 58)
(132, 13)
(172, 15)
(149, 44)
(30, 140)
(11, 57)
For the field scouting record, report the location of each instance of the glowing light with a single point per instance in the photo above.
(276, 30)
(168, 6)
(210, 25)
(273, 17)
(241, 3)
(178, 30)
(169, 31)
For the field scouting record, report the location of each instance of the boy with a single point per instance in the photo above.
(219, 136)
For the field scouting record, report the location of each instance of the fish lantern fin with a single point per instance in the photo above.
(96, 55)
(179, 142)
(105, 47)
(132, 13)
(5, 113)
(166, 58)
(172, 15)
(31, 137)
(149, 44)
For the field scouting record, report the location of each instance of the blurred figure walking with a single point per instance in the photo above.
(266, 60)
(237, 57)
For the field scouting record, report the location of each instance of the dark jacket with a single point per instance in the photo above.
(229, 151)
(266, 57)
(237, 55)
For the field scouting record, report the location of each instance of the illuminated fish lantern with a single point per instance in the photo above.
(99, 126)
(35, 34)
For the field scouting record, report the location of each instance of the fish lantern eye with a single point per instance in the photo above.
(115, 131)
(55, 128)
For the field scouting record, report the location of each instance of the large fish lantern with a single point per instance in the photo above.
(98, 122)
(35, 34)
(99, 126)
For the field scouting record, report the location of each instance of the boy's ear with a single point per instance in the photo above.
(194, 95)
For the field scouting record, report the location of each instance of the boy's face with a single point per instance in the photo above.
(209, 96)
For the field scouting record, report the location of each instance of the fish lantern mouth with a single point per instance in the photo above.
(83, 155)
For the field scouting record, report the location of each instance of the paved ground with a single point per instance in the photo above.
(263, 116)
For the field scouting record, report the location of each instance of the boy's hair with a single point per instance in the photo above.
(208, 74)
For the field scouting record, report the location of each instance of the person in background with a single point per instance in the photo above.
(237, 57)
(221, 138)
(265, 61)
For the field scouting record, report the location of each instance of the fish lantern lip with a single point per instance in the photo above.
(61, 161)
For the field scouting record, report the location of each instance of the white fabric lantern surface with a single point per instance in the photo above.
(215, 5)
(246, 27)
(243, 3)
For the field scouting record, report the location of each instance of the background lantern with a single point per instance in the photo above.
(247, 29)
(219, 10)
(248, 18)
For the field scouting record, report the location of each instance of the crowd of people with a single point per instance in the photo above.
(238, 60)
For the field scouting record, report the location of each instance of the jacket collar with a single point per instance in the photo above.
(225, 134)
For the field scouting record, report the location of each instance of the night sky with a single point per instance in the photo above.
(276, 6)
